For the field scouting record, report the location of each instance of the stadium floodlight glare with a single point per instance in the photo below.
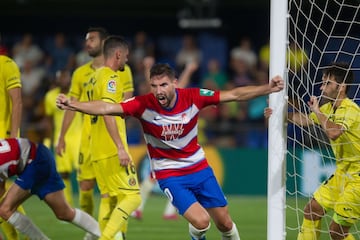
(200, 23)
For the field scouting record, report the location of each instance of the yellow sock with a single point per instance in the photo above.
(349, 237)
(68, 191)
(104, 213)
(9, 231)
(310, 230)
(86, 201)
(124, 227)
(126, 204)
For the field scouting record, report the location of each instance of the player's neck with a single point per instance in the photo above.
(98, 62)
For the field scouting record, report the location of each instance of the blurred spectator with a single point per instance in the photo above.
(214, 74)
(82, 56)
(245, 52)
(3, 48)
(297, 57)
(59, 56)
(141, 47)
(27, 50)
(257, 133)
(264, 57)
(33, 88)
(189, 53)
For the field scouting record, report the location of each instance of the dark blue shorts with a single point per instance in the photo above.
(40, 176)
(199, 187)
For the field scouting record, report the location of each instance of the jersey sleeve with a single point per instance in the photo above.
(128, 80)
(12, 75)
(205, 97)
(75, 87)
(133, 106)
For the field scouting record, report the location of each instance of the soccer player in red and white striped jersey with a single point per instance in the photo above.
(169, 117)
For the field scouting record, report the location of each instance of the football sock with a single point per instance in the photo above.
(86, 201)
(104, 212)
(126, 204)
(68, 191)
(309, 230)
(233, 234)
(24, 225)
(145, 190)
(84, 221)
(169, 208)
(8, 229)
(198, 234)
(113, 202)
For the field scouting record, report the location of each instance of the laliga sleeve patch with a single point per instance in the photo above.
(111, 86)
(206, 92)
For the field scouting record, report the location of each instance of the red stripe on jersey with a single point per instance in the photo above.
(161, 174)
(173, 153)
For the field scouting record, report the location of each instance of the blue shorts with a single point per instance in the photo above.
(40, 176)
(199, 187)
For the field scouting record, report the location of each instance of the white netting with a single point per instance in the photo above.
(319, 32)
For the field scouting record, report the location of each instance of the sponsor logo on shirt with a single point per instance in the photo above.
(206, 92)
(111, 86)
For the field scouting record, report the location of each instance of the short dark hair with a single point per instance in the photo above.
(113, 42)
(341, 72)
(160, 69)
(103, 33)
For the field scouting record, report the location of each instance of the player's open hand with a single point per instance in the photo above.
(277, 83)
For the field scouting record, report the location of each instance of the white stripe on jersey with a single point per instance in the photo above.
(177, 143)
(165, 163)
(161, 119)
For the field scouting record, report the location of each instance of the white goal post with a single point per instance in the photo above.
(300, 158)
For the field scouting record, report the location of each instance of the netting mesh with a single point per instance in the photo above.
(319, 33)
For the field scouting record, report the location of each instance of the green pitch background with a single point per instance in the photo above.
(248, 212)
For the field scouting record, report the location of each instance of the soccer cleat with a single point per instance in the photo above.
(203, 238)
(137, 214)
(173, 216)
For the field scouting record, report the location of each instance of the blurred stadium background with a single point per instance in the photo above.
(232, 32)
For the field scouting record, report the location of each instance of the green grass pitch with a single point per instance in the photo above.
(248, 212)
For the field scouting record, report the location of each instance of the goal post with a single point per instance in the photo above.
(306, 36)
(277, 130)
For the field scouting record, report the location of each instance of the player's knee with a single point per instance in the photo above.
(201, 221)
(225, 224)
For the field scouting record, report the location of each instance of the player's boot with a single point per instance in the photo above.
(203, 238)
(137, 214)
(173, 216)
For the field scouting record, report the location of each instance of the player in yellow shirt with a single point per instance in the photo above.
(66, 163)
(94, 39)
(115, 172)
(10, 115)
(340, 120)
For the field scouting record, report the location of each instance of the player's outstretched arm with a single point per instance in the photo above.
(248, 92)
(91, 107)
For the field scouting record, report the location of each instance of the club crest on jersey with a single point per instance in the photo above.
(111, 86)
(132, 181)
(206, 92)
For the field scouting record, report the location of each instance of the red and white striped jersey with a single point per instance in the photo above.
(171, 134)
(15, 154)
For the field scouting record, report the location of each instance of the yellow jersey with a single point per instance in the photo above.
(109, 86)
(72, 136)
(346, 148)
(9, 78)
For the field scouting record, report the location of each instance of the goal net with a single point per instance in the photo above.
(319, 33)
